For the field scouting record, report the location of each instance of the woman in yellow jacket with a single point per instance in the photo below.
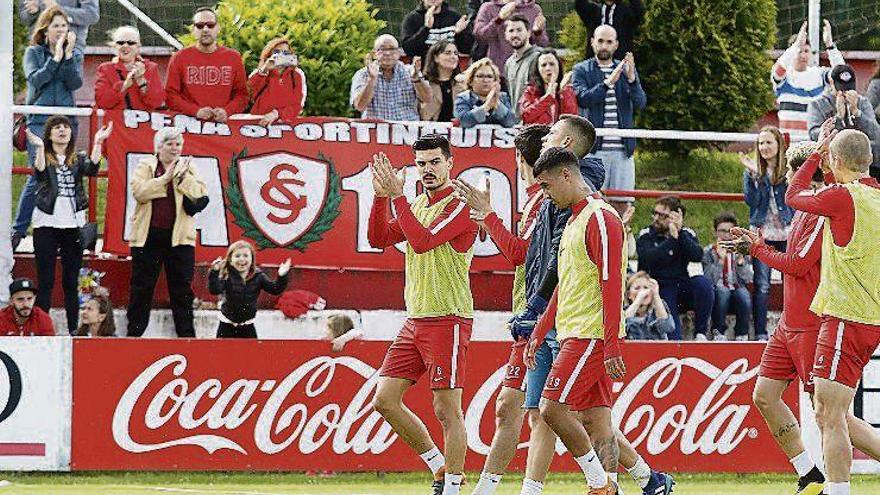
(168, 192)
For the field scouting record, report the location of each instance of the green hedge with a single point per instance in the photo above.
(330, 36)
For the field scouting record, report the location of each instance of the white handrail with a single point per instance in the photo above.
(675, 135)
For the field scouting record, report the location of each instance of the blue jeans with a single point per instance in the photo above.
(694, 293)
(28, 200)
(536, 378)
(762, 289)
(742, 305)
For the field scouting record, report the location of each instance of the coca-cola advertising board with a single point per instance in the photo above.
(295, 405)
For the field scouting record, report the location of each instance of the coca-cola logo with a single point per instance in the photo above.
(291, 412)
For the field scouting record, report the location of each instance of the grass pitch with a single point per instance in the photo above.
(365, 484)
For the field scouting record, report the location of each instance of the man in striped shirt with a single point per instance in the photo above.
(608, 92)
(439, 236)
(797, 83)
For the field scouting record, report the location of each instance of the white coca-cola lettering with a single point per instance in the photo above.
(329, 422)
(724, 431)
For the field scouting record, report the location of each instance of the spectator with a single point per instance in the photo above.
(625, 18)
(129, 81)
(608, 92)
(518, 66)
(764, 186)
(489, 26)
(849, 109)
(278, 86)
(478, 51)
(53, 68)
(60, 212)
(433, 21)
(238, 281)
(873, 93)
(549, 94)
(647, 316)
(385, 88)
(484, 102)
(797, 83)
(21, 318)
(81, 14)
(340, 331)
(207, 80)
(730, 274)
(665, 249)
(163, 232)
(442, 74)
(96, 318)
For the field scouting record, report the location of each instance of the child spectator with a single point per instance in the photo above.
(340, 331)
(96, 317)
(730, 274)
(647, 316)
(238, 281)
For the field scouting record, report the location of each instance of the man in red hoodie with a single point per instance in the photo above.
(21, 318)
(206, 80)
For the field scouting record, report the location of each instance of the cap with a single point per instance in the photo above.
(21, 284)
(844, 77)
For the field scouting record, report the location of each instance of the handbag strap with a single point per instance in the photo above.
(127, 96)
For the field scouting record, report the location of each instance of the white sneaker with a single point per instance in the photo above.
(700, 337)
(719, 337)
(742, 338)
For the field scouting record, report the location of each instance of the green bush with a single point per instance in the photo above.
(573, 36)
(330, 36)
(19, 43)
(704, 65)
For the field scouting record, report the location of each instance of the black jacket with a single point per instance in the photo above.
(47, 183)
(626, 20)
(417, 39)
(666, 259)
(240, 296)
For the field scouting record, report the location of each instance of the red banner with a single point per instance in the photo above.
(293, 405)
(304, 187)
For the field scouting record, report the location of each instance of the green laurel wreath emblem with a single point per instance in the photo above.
(243, 219)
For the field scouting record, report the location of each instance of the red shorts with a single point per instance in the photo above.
(790, 355)
(578, 378)
(437, 345)
(515, 376)
(844, 348)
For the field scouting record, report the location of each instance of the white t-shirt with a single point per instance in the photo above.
(64, 216)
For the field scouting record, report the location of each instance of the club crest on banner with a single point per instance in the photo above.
(282, 199)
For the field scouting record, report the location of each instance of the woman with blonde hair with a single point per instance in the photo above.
(278, 86)
(128, 81)
(764, 187)
(484, 102)
(238, 281)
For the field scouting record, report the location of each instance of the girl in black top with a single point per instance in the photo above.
(238, 281)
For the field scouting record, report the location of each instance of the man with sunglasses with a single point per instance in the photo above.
(207, 80)
(665, 249)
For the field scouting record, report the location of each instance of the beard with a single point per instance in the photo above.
(23, 313)
(604, 55)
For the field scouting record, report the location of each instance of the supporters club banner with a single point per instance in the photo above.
(294, 405)
(303, 190)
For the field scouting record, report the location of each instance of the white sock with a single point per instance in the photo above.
(532, 487)
(803, 463)
(640, 472)
(837, 488)
(592, 468)
(452, 484)
(434, 459)
(487, 484)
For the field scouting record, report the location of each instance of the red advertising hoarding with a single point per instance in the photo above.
(294, 405)
(303, 190)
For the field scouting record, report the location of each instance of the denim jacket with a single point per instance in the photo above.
(55, 81)
(757, 195)
(469, 111)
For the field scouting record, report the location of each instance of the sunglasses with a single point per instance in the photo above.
(660, 214)
(126, 42)
(203, 25)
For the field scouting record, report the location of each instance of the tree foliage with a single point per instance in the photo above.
(19, 43)
(703, 64)
(330, 37)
